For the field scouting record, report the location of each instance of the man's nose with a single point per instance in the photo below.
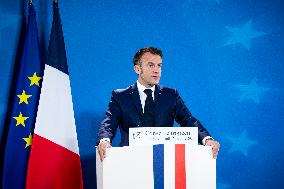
(157, 69)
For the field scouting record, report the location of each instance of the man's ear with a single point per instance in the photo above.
(137, 69)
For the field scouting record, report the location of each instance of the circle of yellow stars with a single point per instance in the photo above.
(24, 99)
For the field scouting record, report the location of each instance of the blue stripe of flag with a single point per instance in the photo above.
(158, 164)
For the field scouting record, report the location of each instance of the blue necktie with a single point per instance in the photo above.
(148, 116)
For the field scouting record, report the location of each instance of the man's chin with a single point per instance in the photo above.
(155, 83)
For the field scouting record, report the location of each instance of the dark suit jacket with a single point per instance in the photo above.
(125, 111)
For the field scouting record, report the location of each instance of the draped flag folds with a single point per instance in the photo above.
(24, 108)
(54, 159)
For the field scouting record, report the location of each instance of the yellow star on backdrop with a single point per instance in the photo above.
(34, 79)
(28, 140)
(24, 97)
(20, 119)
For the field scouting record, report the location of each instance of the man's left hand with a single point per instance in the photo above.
(215, 146)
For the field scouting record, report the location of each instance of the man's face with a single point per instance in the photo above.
(149, 71)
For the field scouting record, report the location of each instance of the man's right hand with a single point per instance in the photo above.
(102, 149)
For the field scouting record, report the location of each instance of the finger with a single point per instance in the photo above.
(218, 145)
(101, 152)
(216, 150)
(104, 153)
(215, 154)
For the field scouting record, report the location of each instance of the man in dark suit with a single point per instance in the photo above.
(147, 104)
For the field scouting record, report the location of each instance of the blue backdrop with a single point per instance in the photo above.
(224, 56)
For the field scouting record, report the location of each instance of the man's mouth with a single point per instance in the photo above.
(155, 77)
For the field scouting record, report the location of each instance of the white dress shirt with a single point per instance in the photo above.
(143, 95)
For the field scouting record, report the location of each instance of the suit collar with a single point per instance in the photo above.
(141, 87)
(158, 91)
(134, 89)
(136, 99)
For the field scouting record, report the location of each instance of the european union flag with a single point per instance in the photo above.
(22, 121)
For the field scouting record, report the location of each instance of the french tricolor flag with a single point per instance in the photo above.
(183, 167)
(54, 159)
(169, 166)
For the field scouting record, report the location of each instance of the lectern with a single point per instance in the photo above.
(160, 166)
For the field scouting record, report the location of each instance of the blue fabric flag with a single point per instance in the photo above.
(22, 120)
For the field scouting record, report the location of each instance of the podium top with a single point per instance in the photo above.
(163, 135)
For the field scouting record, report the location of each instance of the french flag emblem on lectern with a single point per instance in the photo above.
(169, 166)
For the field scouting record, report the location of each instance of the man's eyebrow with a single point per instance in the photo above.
(154, 63)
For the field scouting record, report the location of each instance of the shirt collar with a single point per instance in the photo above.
(141, 87)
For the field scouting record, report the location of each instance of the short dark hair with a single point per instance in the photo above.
(141, 52)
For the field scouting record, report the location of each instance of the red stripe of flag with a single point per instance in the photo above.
(53, 166)
(180, 173)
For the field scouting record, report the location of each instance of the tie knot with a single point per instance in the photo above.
(148, 92)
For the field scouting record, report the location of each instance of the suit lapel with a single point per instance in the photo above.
(157, 94)
(136, 100)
